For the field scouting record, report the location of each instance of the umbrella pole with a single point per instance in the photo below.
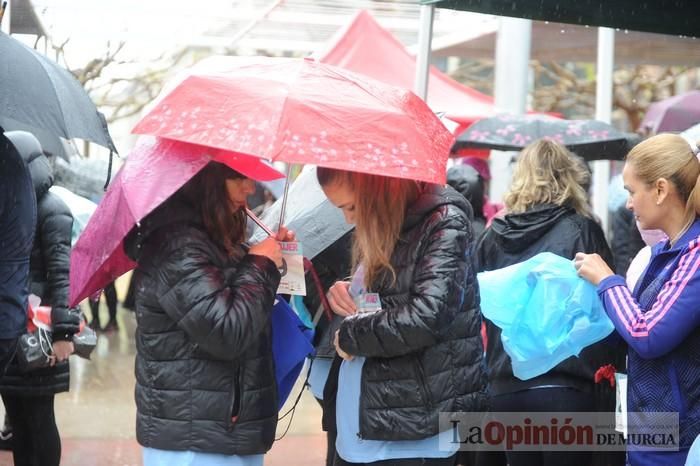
(284, 196)
(259, 222)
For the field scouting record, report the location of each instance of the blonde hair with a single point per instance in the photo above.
(380, 211)
(547, 173)
(669, 156)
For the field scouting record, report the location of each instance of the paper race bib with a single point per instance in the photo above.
(292, 270)
(368, 302)
(621, 403)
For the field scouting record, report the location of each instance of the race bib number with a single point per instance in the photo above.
(368, 302)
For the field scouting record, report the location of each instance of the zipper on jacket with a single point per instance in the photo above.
(360, 434)
(423, 383)
(235, 402)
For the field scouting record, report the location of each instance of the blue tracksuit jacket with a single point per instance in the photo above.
(660, 320)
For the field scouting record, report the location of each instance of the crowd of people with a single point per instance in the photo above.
(406, 340)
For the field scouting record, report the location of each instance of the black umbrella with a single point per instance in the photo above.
(590, 139)
(39, 96)
(664, 16)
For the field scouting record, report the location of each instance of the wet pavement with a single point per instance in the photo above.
(97, 417)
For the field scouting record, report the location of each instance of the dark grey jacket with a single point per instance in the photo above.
(424, 351)
(518, 237)
(48, 273)
(204, 369)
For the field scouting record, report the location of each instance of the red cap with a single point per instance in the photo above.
(252, 167)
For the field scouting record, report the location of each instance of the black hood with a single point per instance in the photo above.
(431, 198)
(176, 209)
(467, 181)
(30, 149)
(516, 232)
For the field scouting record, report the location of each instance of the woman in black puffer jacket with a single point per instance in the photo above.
(204, 370)
(420, 354)
(29, 396)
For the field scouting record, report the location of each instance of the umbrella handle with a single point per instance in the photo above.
(259, 222)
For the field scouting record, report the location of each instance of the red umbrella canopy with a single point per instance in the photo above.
(302, 111)
(154, 170)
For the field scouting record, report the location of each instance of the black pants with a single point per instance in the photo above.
(330, 441)
(403, 462)
(35, 439)
(559, 399)
(111, 297)
(8, 347)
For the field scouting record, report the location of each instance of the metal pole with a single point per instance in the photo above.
(259, 222)
(425, 37)
(511, 87)
(253, 23)
(603, 112)
(6, 16)
(284, 196)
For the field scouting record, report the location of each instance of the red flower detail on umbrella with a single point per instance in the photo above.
(574, 130)
(520, 139)
(555, 137)
(506, 130)
(480, 135)
(598, 134)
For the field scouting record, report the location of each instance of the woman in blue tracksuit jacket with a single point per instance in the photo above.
(660, 318)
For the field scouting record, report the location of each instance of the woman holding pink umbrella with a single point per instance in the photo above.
(205, 384)
(410, 339)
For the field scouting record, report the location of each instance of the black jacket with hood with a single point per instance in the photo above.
(467, 181)
(424, 351)
(518, 237)
(48, 272)
(204, 369)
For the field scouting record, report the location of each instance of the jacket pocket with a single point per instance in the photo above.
(676, 390)
(422, 383)
(234, 405)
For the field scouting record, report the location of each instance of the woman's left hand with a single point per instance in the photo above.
(592, 267)
(341, 353)
(285, 235)
(61, 351)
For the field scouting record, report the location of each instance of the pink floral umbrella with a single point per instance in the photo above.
(302, 111)
(154, 170)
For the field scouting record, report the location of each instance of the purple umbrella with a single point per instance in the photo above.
(676, 113)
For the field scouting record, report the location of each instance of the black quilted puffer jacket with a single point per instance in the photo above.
(204, 369)
(424, 351)
(48, 273)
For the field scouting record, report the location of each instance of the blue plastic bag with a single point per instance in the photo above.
(546, 312)
(291, 344)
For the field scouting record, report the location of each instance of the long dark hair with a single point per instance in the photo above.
(207, 191)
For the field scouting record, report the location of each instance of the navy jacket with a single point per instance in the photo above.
(660, 320)
(17, 223)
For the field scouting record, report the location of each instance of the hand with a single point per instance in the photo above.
(285, 235)
(592, 267)
(61, 351)
(340, 300)
(341, 353)
(269, 248)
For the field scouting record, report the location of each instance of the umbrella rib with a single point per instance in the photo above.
(37, 57)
